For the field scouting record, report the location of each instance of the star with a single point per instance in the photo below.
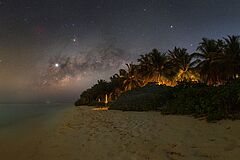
(74, 40)
(171, 26)
(191, 44)
(56, 65)
(144, 9)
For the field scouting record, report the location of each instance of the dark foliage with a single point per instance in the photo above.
(96, 94)
(214, 102)
(187, 98)
(149, 97)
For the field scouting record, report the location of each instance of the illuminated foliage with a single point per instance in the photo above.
(215, 62)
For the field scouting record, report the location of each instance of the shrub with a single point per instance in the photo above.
(149, 97)
(214, 102)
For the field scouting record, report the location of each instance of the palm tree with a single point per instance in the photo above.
(100, 90)
(231, 57)
(183, 64)
(116, 83)
(154, 67)
(131, 78)
(210, 51)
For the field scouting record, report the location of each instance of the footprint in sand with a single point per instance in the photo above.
(172, 154)
(172, 145)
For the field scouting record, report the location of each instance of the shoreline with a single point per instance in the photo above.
(87, 134)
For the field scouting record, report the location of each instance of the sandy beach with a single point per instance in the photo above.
(81, 133)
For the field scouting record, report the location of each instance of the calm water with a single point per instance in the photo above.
(24, 126)
(16, 114)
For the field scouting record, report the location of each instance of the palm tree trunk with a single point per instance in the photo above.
(159, 79)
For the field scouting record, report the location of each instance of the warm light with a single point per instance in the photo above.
(100, 109)
(106, 99)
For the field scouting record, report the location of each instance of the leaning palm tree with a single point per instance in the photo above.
(209, 54)
(154, 67)
(183, 64)
(131, 78)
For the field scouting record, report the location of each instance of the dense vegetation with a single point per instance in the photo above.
(214, 102)
(204, 83)
(186, 98)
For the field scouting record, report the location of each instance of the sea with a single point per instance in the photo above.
(25, 125)
(18, 114)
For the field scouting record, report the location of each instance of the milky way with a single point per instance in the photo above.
(63, 68)
(54, 49)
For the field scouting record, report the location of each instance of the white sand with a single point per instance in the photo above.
(101, 135)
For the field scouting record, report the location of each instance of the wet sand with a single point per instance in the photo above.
(85, 134)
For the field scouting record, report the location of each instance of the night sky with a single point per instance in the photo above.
(50, 50)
